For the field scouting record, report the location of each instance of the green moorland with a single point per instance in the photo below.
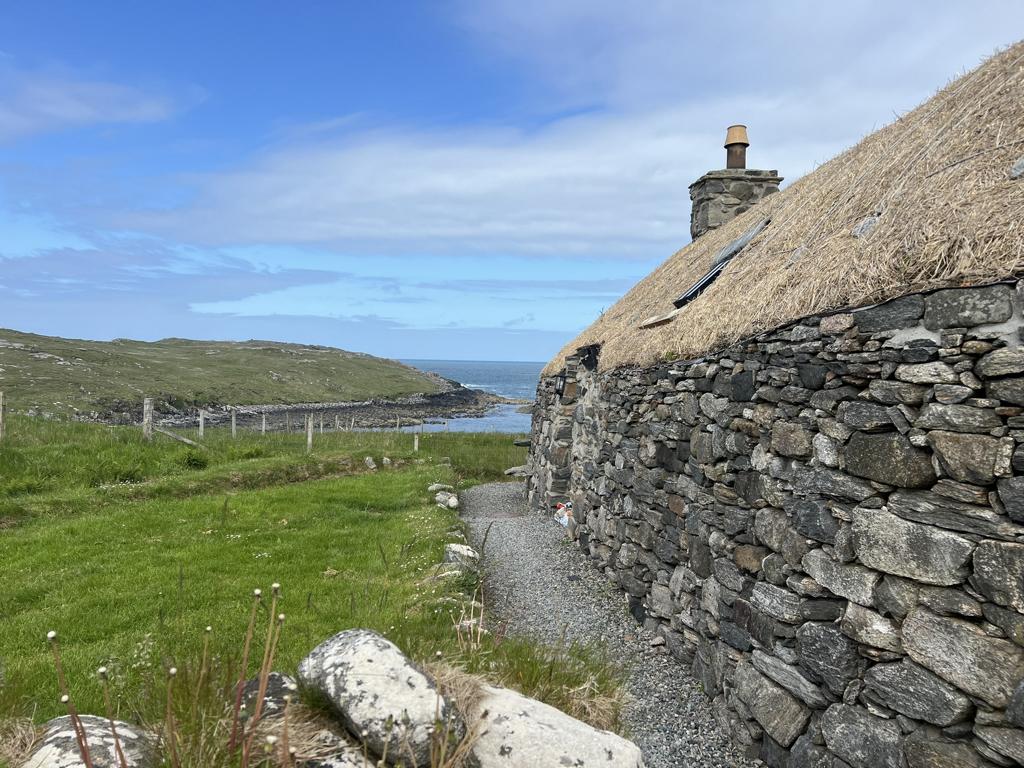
(130, 549)
(52, 375)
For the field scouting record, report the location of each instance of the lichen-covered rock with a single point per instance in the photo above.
(860, 738)
(967, 458)
(966, 307)
(957, 651)
(59, 747)
(854, 582)
(517, 732)
(382, 697)
(924, 750)
(870, 628)
(922, 552)
(828, 655)
(781, 715)
(999, 573)
(888, 458)
(912, 690)
(462, 556)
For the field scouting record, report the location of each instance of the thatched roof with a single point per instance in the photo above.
(948, 214)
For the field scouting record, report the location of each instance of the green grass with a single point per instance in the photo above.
(70, 376)
(129, 549)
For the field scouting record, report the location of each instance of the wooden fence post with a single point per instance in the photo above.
(398, 423)
(147, 418)
(336, 418)
(202, 423)
(321, 423)
(352, 424)
(309, 433)
(263, 424)
(3, 408)
(234, 427)
(416, 442)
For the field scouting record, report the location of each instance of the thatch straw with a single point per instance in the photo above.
(949, 215)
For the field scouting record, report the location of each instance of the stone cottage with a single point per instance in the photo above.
(798, 446)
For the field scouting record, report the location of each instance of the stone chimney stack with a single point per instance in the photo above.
(719, 196)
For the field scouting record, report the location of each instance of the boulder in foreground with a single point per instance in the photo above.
(59, 747)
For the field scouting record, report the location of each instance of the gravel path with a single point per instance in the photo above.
(542, 586)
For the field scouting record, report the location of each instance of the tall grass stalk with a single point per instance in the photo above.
(101, 673)
(65, 698)
(257, 595)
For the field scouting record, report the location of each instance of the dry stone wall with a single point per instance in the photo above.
(826, 521)
(720, 196)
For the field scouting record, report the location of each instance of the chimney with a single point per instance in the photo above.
(720, 196)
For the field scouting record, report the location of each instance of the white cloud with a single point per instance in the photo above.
(42, 102)
(611, 181)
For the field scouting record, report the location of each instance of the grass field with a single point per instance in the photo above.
(70, 376)
(129, 549)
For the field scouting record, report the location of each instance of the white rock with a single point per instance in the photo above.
(373, 686)
(59, 747)
(370, 463)
(435, 487)
(517, 732)
(453, 502)
(462, 555)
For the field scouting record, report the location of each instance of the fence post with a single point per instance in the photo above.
(3, 408)
(309, 433)
(202, 423)
(336, 418)
(446, 425)
(321, 423)
(234, 428)
(263, 424)
(416, 442)
(147, 418)
(398, 423)
(352, 424)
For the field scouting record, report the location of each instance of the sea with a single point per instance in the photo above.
(508, 379)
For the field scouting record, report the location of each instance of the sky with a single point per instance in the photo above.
(453, 179)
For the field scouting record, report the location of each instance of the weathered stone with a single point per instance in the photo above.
(957, 418)
(930, 508)
(1005, 741)
(772, 527)
(58, 747)
(791, 440)
(814, 519)
(748, 557)
(927, 373)
(1001, 362)
(1007, 390)
(949, 602)
(1015, 711)
(861, 739)
(806, 754)
(854, 582)
(857, 414)
(518, 732)
(926, 751)
(999, 573)
(870, 628)
(967, 458)
(826, 450)
(960, 653)
(790, 678)
(462, 555)
(898, 313)
(781, 715)
(895, 596)
(778, 603)
(915, 692)
(896, 392)
(833, 324)
(1009, 621)
(1011, 494)
(379, 694)
(829, 482)
(952, 393)
(967, 307)
(922, 552)
(888, 458)
(828, 655)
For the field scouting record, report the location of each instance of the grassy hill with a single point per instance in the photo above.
(51, 375)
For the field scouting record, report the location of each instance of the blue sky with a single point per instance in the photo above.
(447, 179)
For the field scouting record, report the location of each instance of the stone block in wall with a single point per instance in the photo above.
(999, 573)
(932, 750)
(934, 509)
(773, 527)
(861, 739)
(821, 481)
(781, 714)
(925, 553)
(959, 652)
(912, 690)
(854, 582)
(870, 628)
(888, 458)
(828, 656)
(967, 307)
(966, 458)
(1002, 362)
(899, 313)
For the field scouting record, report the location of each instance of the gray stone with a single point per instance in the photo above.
(952, 393)
(1017, 169)
(896, 392)
(58, 747)
(898, 313)
(778, 603)
(1015, 711)
(820, 481)
(462, 556)
(957, 418)
(518, 732)
(861, 739)
(379, 694)
(866, 416)
(1007, 390)
(960, 653)
(870, 628)
(1011, 493)
(806, 754)
(888, 458)
(927, 373)
(912, 690)
(772, 527)
(854, 582)
(950, 602)
(999, 573)
(1005, 741)
(791, 440)
(781, 715)
(967, 458)
(922, 552)
(967, 307)
(814, 519)
(828, 655)
(930, 508)
(1001, 362)
(895, 596)
(928, 751)
(1010, 622)
(790, 678)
